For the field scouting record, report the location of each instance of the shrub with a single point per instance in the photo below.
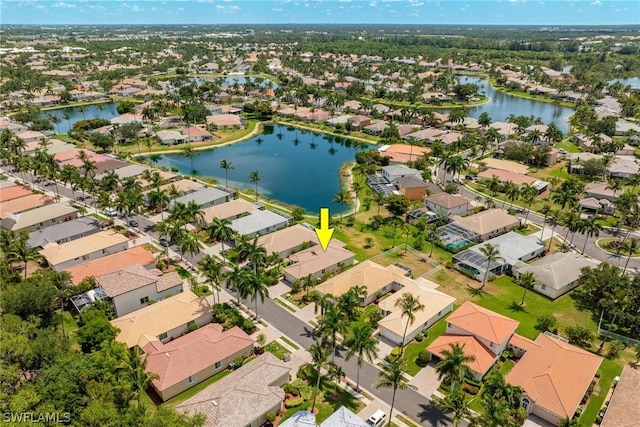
(615, 347)
(546, 322)
(192, 327)
(578, 334)
(303, 372)
(292, 403)
(395, 352)
(419, 337)
(423, 358)
(271, 416)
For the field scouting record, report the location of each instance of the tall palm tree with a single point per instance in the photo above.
(457, 403)
(526, 280)
(212, 272)
(254, 253)
(254, 286)
(236, 278)
(392, 376)
(342, 197)
(632, 247)
(512, 191)
(189, 152)
(220, 231)
(319, 358)
(590, 227)
(529, 194)
(453, 365)
(356, 187)
(554, 218)
(379, 198)
(255, 178)
(544, 210)
(194, 214)
(492, 254)
(409, 306)
(69, 175)
(22, 252)
(189, 245)
(497, 388)
(493, 185)
(331, 324)
(361, 343)
(135, 371)
(565, 197)
(227, 166)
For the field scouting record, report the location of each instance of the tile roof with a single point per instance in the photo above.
(35, 216)
(176, 360)
(344, 417)
(23, 204)
(559, 269)
(110, 263)
(624, 406)
(287, 238)
(483, 357)
(13, 192)
(58, 253)
(161, 317)
(488, 221)
(482, 322)
(506, 165)
(314, 260)
(506, 176)
(446, 200)
(230, 209)
(63, 230)
(239, 398)
(555, 374)
(134, 277)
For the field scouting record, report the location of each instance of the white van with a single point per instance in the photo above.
(377, 418)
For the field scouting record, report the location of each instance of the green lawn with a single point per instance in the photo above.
(503, 296)
(568, 145)
(196, 389)
(290, 343)
(70, 327)
(276, 349)
(608, 371)
(412, 350)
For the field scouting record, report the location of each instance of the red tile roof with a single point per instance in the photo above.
(176, 360)
(111, 263)
(14, 192)
(484, 358)
(483, 323)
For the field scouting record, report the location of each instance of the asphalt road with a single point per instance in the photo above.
(408, 401)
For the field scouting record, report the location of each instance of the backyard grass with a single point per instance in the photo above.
(528, 229)
(608, 371)
(568, 145)
(70, 328)
(411, 351)
(418, 263)
(196, 389)
(276, 349)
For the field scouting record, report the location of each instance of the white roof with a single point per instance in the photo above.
(512, 246)
(558, 270)
(257, 221)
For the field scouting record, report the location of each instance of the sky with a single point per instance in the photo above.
(469, 12)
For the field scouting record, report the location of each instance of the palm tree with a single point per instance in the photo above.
(632, 247)
(254, 286)
(564, 197)
(544, 210)
(409, 306)
(526, 280)
(194, 214)
(69, 175)
(379, 198)
(392, 376)
(227, 166)
(492, 254)
(458, 404)
(356, 187)
(342, 197)
(319, 356)
(67, 117)
(331, 324)
(361, 343)
(22, 252)
(554, 218)
(529, 194)
(591, 227)
(493, 185)
(496, 388)
(189, 245)
(453, 365)
(220, 231)
(615, 185)
(236, 279)
(512, 191)
(455, 165)
(189, 152)
(212, 272)
(255, 178)
(253, 252)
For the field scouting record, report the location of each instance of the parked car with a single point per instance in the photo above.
(111, 211)
(133, 223)
(164, 242)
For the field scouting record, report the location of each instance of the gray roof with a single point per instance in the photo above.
(512, 246)
(129, 171)
(203, 196)
(300, 419)
(344, 417)
(557, 270)
(242, 396)
(35, 216)
(257, 221)
(54, 233)
(397, 171)
(411, 181)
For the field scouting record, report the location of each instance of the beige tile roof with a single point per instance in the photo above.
(555, 375)
(368, 274)
(35, 216)
(287, 238)
(239, 398)
(482, 322)
(161, 317)
(229, 209)
(488, 221)
(506, 176)
(58, 253)
(506, 165)
(624, 406)
(184, 185)
(135, 277)
(314, 259)
(447, 200)
(13, 192)
(110, 263)
(483, 357)
(23, 204)
(177, 360)
(224, 120)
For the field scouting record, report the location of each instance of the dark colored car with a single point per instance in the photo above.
(133, 223)
(164, 242)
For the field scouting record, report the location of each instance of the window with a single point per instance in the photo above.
(217, 365)
(191, 379)
(163, 336)
(85, 257)
(42, 224)
(144, 300)
(54, 220)
(104, 251)
(544, 287)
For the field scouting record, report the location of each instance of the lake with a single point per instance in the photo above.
(91, 112)
(634, 82)
(297, 167)
(502, 104)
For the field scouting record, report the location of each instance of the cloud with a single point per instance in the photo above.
(277, 9)
(63, 5)
(597, 3)
(415, 3)
(373, 3)
(181, 9)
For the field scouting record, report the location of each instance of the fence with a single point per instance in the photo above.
(618, 337)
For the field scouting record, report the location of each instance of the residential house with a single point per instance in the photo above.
(110, 263)
(170, 137)
(480, 226)
(184, 186)
(623, 409)
(204, 197)
(428, 135)
(359, 122)
(316, 262)
(513, 177)
(259, 222)
(133, 287)
(38, 218)
(13, 192)
(165, 320)
(64, 255)
(412, 187)
(623, 167)
(480, 332)
(343, 417)
(505, 165)
(23, 204)
(600, 191)
(376, 127)
(230, 210)
(289, 240)
(64, 232)
(225, 121)
(196, 134)
(555, 274)
(31, 136)
(555, 377)
(452, 204)
(513, 249)
(242, 398)
(189, 360)
(393, 172)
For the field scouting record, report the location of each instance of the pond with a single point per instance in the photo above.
(93, 111)
(502, 104)
(297, 167)
(634, 82)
